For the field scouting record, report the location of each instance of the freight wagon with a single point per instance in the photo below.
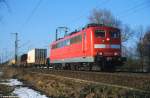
(22, 60)
(36, 57)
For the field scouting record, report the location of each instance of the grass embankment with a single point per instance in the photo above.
(62, 87)
(130, 80)
(5, 90)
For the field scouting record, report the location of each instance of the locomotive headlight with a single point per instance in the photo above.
(108, 39)
(100, 53)
(115, 54)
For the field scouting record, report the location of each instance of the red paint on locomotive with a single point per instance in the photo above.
(86, 45)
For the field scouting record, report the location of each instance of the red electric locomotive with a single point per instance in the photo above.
(95, 45)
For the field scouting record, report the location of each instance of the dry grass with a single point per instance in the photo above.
(61, 87)
(6, 90)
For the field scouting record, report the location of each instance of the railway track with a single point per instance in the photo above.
(133, 80)
(116, 73)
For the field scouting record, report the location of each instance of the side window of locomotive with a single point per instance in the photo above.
(67, 42)
(54, 46)
(114, 34)
(100, 33)
(59, 44)
(84, 35)
(76, 39)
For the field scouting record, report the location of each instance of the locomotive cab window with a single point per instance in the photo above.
(114, 34)
(100, 33)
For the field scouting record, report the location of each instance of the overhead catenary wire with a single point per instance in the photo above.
(29, 18)
(31, 14)
(123, 13)
(5, 2)
(24, 44)
(133, 9)
(7, 5)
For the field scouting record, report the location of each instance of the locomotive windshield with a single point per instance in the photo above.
(99, 33)
(114, 34)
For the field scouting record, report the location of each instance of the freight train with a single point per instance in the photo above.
(95, 46)
(35, 57)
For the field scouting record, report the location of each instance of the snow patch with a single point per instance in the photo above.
(13, 82)
(25, 92)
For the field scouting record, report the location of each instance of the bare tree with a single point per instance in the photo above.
(146, 48)
(142, 41)
(103, 16)
(126, 32)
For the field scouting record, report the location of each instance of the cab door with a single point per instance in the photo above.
(84, 46)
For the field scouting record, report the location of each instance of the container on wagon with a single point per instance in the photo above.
(37, 56)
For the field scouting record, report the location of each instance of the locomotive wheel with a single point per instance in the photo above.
(90, 67)
(67, 66)
(74, 66)
(57, 66)
(103, 68)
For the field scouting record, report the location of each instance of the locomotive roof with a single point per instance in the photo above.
(87, 26)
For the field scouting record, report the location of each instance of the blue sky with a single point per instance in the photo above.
(36, 20)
